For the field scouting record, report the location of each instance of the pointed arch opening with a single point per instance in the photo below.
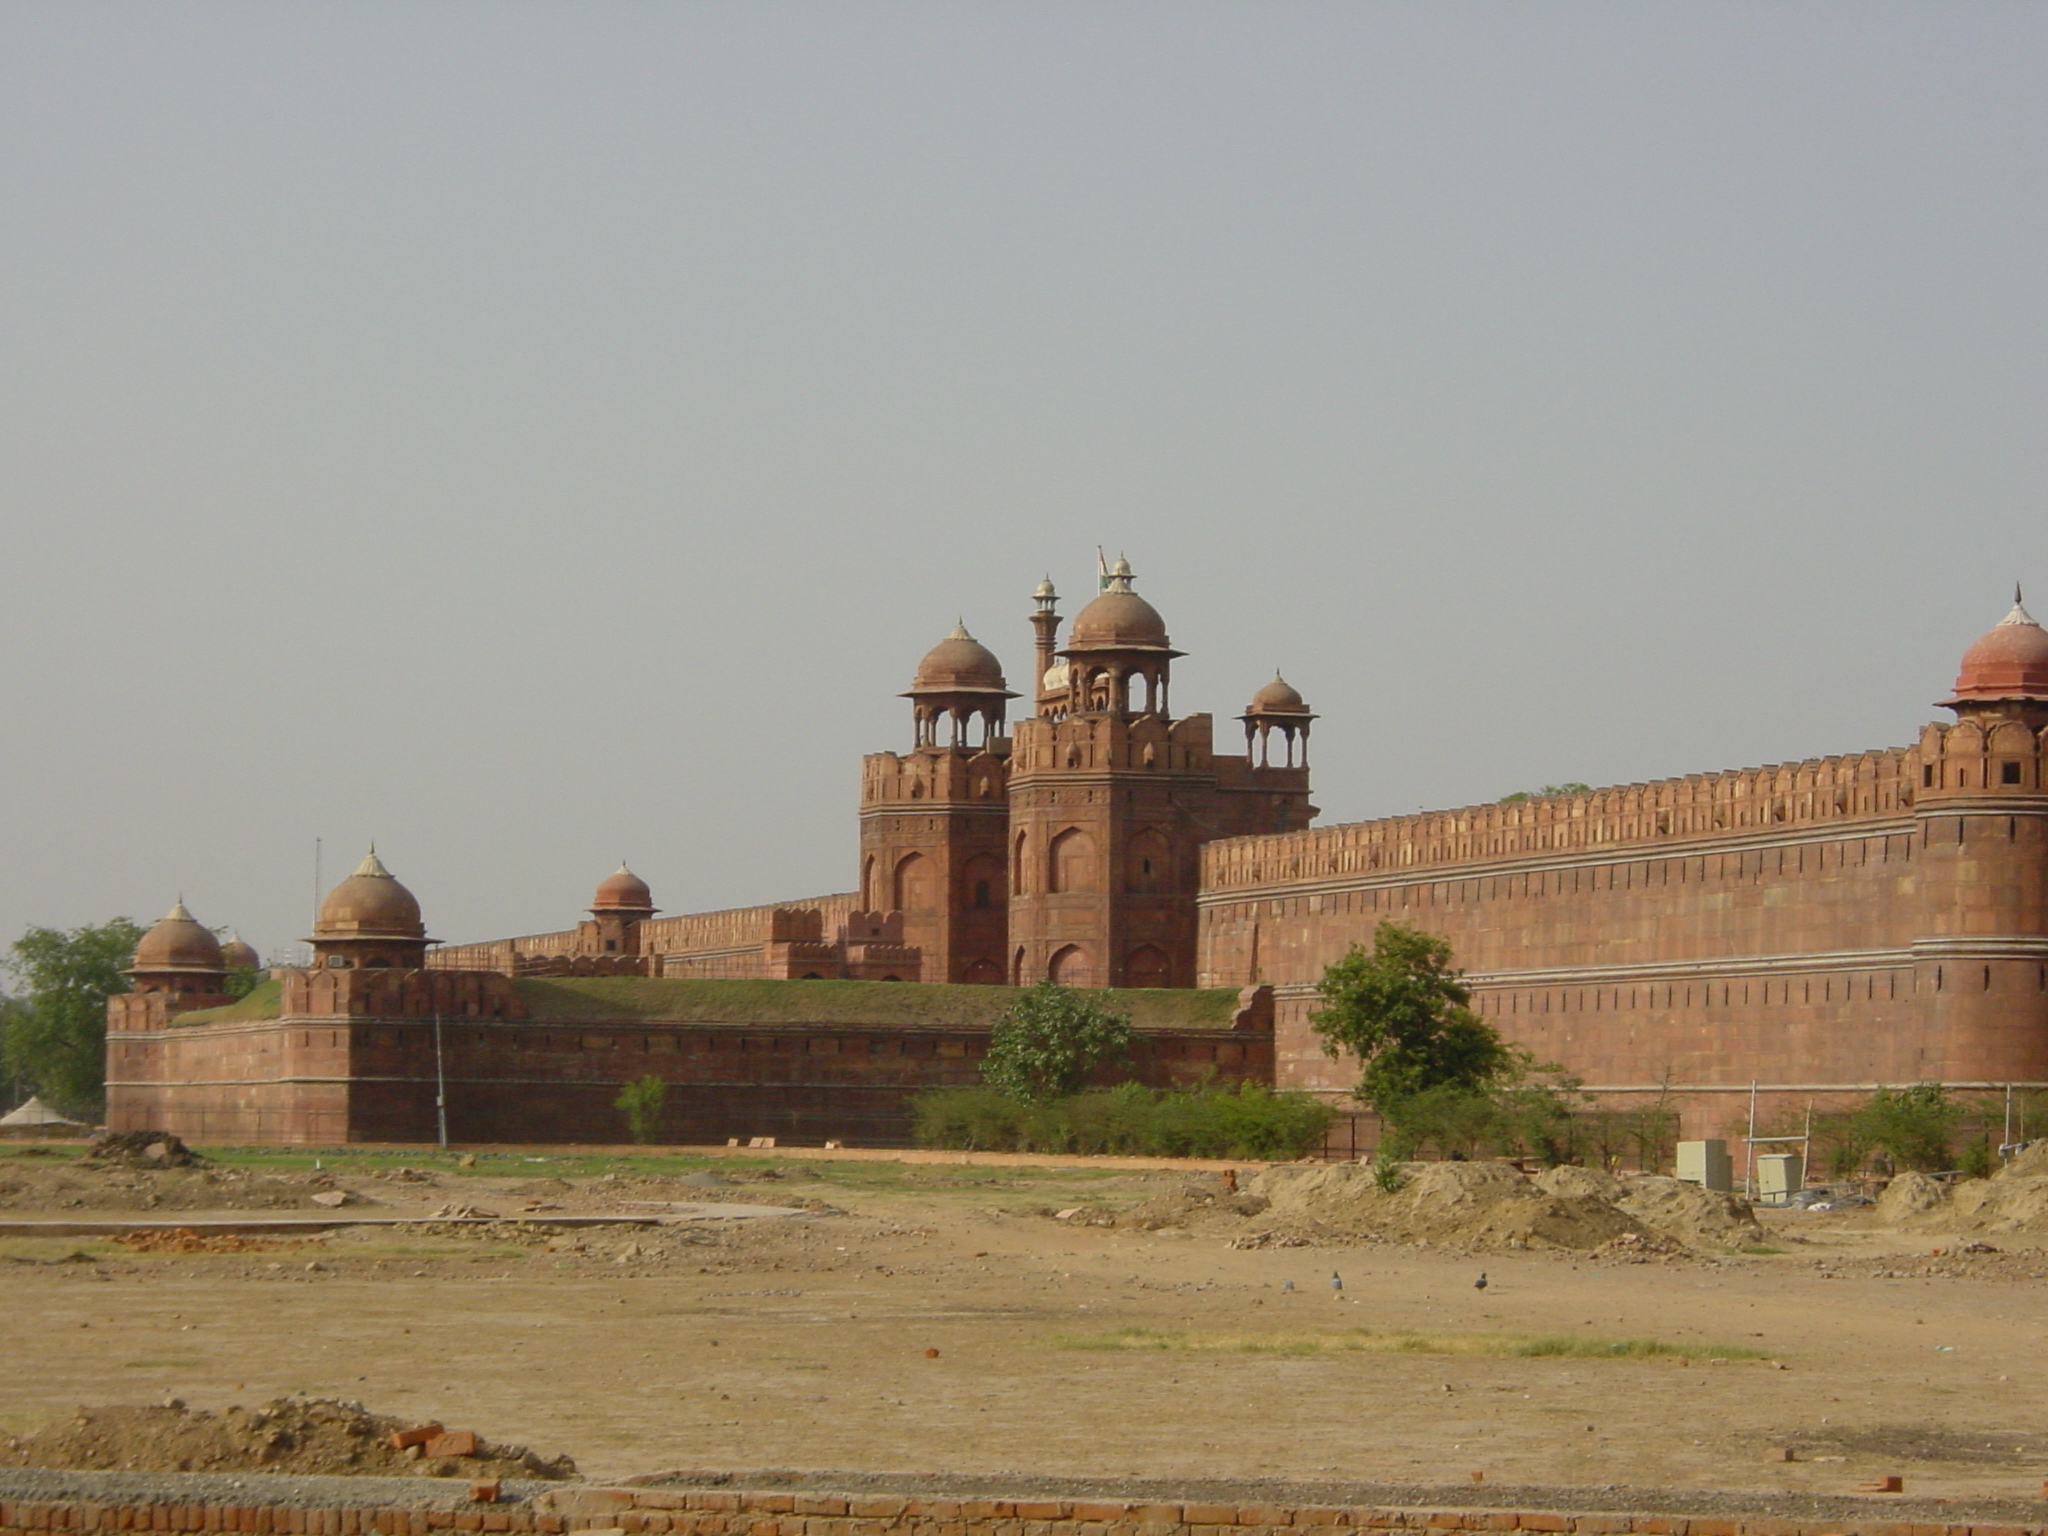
(1071, 862)
(1070, 967)
(1148, 966)
(912, 884)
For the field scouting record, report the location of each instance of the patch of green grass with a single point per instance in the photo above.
(159, 1365)
(1405, 1342)
(56, 1250)
(1760, 1249)
(569, 999)
(263, 1001)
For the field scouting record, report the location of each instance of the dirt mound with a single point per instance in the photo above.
(185, 1240)
(2012, 1200)
(50, 1185)
(142, 1149)
(291, 1435)
(1492, 1205)
(2030, 1162)
(1688, 1214)
(1910, 1195)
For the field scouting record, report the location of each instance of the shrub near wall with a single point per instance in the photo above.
(1245, 1120)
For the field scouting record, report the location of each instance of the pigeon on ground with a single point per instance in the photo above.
(1336, 1281)
(1286, 1285)
(1480, 1283)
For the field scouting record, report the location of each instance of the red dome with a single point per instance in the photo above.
(1119, 619)
(178, 943)
(960, 664)
(2010, 662)
(370, 904)
(622, 891)
(1279, 697)
(240, 954)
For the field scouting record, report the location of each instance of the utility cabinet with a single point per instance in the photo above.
(1706, 1163)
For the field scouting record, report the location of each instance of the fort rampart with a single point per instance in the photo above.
(1815, 926)
(544, 1060)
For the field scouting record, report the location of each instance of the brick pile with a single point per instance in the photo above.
(634, 1511)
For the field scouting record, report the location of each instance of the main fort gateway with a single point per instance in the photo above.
(1810, 928)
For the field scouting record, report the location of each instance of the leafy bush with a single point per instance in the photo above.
(641, 1102)
(1048, 1042)
(1246, 1120)
(1911, 1126)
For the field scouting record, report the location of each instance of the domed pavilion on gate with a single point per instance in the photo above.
(1816, 927)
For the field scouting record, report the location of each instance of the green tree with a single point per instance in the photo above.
(641, 1103)
(53, 1033)
(1572, 787)
(1406, 1014)
(1049, 1040)
(1911, 1126)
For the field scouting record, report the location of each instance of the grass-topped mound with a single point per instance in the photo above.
(904, 1003)
(263, 1001)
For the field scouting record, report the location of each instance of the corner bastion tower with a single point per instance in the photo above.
(1069, 850)
(1980, 958)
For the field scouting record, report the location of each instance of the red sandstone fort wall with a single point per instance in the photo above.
(348, 1077)
(1711, 930)
(729, 942)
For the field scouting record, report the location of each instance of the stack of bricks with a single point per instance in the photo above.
(631, 1511)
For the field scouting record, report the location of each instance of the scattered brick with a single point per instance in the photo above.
(484, 1490)
(419, 1434)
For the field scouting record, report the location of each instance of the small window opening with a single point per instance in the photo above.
(2008, 773)
(1927, 777)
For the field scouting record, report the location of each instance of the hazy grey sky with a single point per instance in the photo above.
(527, 434)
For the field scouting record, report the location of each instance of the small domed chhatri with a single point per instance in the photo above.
(179, 942)
(2009, 662)
(1280, 707)
(623, 891)
(240, 955)
(959, 689)
(1279, 697)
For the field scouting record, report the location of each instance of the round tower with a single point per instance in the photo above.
(370, 922)
(931, 819)
(1981, 851)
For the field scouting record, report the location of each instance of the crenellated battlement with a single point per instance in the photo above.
(1114, 743)
(932, 774)
(1863, 785)
(1977, 756)
(393, 994)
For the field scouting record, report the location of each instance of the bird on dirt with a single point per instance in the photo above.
(1286, 1285)
(1336, 1281)
(1480, 1283)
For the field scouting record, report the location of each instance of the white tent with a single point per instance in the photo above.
(36, 1113)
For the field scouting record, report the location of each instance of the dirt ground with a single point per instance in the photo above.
(938, 1317)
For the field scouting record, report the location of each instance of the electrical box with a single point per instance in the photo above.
(1780, 1175)
(1706, 1164)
